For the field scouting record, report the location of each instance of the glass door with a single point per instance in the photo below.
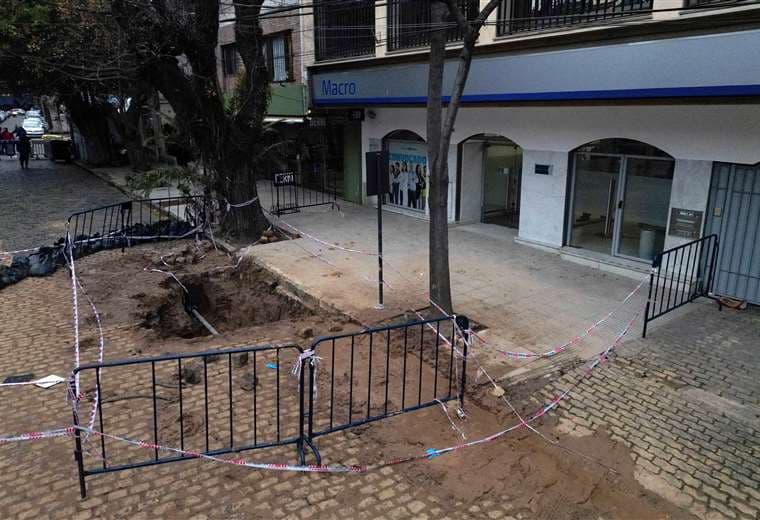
(595, 201)
(643, 207)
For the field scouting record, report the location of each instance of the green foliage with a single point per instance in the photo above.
(182, 178)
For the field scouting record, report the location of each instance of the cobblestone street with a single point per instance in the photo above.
(686, 400)
(35, 203)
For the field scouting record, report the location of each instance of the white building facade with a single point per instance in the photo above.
(608, 144)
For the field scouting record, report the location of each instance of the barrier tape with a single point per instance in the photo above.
(33, 436)
(365, 468)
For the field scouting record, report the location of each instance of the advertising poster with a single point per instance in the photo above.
(407, 174)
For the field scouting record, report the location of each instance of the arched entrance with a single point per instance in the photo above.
(620, 198)
(489, 179)
(407, 169)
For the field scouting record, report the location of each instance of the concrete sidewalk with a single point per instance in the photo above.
(529, 300)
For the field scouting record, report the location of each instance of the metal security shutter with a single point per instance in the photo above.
(734, 215)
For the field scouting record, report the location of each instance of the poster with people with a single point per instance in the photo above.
(407, 174)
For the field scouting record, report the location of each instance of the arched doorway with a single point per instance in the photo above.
(620, 198)
(489, 180)
(407, 168)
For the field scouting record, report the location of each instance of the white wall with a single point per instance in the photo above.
(691, 189)
(729, 133)
(542, 201)
(695, 135)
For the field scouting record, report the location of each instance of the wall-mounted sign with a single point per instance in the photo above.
(685, 223)
(284, 179)
(356, 114)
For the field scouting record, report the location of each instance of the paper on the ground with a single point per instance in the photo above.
(48, 381)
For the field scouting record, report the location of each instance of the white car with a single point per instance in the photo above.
(33, 126)
(17, 112)
(33, 112)
(3, 115)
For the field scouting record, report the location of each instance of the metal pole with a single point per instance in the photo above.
(464, 325)
(380, 192)
(78, 444)
(301, 414)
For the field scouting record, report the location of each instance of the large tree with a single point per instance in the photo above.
(73, 50)
(446, 13)
(175, 44)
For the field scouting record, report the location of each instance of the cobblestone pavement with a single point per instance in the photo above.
(686, 400)
(38, 478)
(35, 203)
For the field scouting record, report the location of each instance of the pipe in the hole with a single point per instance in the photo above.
(203, 321)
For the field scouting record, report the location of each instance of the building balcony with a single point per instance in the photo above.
(519, 16)
(408, 23)
(344, 30)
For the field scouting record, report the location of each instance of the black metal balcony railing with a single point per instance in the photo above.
(409, 23)
(534, 15)
(344, 29)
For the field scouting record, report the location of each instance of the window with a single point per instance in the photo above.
(409, 22)
(344, 28)
(277, 53)
(230, 59)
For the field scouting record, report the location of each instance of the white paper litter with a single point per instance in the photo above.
(48, 381)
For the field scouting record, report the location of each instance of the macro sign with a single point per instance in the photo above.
(712, 65)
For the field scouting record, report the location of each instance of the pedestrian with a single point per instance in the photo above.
(24, 147)
(7, 147)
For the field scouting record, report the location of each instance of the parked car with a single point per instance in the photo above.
(33, 112)
(3, 115)
(34, 127)
(17, 112)
(42, 121)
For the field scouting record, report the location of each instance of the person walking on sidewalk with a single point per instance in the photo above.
(24, 148)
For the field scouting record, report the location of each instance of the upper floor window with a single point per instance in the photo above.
(344, 29)
(277, 53)
(230, 60)
(409, 22)
(534, 15)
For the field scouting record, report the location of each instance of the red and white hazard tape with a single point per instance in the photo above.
(33, 436)
(364, 468)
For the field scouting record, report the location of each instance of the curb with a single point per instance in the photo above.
(103, 178)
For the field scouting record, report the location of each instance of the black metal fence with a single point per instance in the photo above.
(386, 371)
(681, 275)
(292, 191)
(210, 403)
(516, 16)
(136, 221)
(229, 401)
(344, 29)
(409, 23)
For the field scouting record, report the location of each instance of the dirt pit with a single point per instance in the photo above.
(227, 299)
(143, 310)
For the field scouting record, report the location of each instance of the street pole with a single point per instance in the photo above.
(380, 192)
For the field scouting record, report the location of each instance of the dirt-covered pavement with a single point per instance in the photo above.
(518, 475)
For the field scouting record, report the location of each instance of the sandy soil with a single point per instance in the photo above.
(355, 380)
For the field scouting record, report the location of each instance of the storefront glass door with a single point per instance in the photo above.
(597, 181)
(646, 199)
(620, 204)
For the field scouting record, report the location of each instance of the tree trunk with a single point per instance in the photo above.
(229, 144)
(440, 281)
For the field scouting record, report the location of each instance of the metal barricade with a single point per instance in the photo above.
(227, 401)
(137, 221)
(39, 150)
(386, 371)
(208, 403)
(679, 276)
